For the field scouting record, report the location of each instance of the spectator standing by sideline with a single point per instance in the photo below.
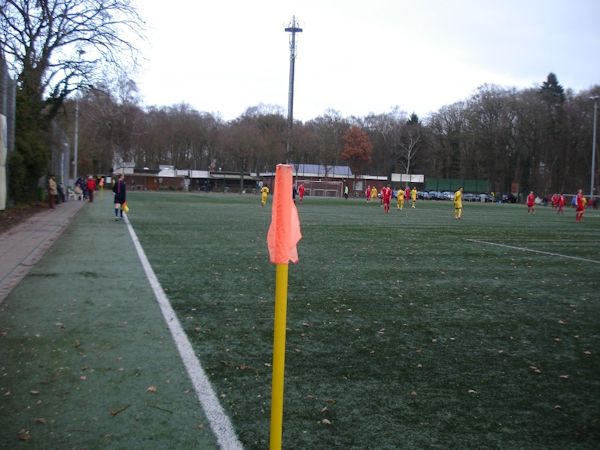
(91, 187)
(120, 196)
(81, 183)
(52, 191)
(101, 186)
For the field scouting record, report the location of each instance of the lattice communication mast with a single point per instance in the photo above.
(293, 29)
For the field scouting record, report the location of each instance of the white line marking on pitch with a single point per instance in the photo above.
(219, 422)
(523, 249)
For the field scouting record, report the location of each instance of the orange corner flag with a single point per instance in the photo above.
(284, 232)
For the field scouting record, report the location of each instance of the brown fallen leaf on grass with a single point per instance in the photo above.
(40, 420)
(77, 344)
(326, 422)
(151, 389)
(24, 435)
(34, 392)
(564, 377)
(472, 391)
(587, 352)
(535, 369)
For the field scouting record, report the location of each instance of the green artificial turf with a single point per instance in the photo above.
(402, 331)
(86, 359)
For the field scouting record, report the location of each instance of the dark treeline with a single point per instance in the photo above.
(540, 138)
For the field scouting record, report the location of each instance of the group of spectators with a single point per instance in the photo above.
(83, 190)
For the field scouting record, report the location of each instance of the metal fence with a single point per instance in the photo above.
(8, 89)
(59, 163)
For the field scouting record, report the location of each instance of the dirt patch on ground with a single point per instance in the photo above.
(17, 214)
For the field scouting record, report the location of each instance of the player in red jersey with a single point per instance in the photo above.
(561, 204)
(531, 203)
(581, 202)
(301, 192)
(386, 197)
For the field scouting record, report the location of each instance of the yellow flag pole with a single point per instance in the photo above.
(281, 285)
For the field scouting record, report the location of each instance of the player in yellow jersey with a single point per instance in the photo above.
(413, 197)
(264, 193)
(458, 204)
(373, 193)
(400, 199)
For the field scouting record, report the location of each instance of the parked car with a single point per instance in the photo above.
(447, 195)
(508, 198)
(484, 198)
(423, 195)
(435, 195)
(468, 197)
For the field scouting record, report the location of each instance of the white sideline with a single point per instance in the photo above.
(523, 249)
(219, 422)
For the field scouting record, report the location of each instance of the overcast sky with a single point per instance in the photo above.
(361, 57)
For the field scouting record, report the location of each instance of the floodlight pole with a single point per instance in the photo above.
(76, 131)
(293, 28)
(595, 99)
(76, 139)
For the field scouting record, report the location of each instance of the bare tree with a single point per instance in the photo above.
(411, 137)
(327, 139)
(384, 130)
(54, 47)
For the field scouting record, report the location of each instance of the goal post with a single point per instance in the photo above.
(322, 188)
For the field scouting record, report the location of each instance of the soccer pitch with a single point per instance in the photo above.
(406, 330)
